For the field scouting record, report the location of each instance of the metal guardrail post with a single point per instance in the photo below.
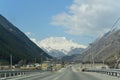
(116, 74)
(13, 74)
(119, 74)
(108, 73)
(9, 74)
(23, 73)
(20, 73)
(5, 75)
(112, 73)
(17, 73)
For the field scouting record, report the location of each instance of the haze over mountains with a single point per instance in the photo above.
(16, 43)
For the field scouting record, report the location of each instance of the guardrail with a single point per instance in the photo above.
(111, 72)
(13, 73)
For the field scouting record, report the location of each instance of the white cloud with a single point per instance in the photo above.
(88, 17)
(58, 43)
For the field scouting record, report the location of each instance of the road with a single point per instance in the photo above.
(69, 73)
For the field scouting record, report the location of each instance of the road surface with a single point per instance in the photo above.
(69, 73)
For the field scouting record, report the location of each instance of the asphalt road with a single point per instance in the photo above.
(70, 73)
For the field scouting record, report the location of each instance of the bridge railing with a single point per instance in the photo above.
(13, 73)
(111, 72)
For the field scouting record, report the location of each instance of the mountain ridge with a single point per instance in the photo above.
(15, 42)
(106, 49)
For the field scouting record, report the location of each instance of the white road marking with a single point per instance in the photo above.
(55, 76)
(59, 76)
(61, 70)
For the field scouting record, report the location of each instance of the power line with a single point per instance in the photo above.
(114, 25)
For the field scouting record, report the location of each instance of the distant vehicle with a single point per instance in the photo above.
(84, 69)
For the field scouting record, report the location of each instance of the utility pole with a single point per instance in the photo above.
(91, 55)
(103, 63)
(47, 59)
(41, 59)
(93, 63)
(35, 59)
(117, 59)
(11, 61)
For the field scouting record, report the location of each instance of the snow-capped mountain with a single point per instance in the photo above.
(55, 53)
(75, 51)
(58, 46)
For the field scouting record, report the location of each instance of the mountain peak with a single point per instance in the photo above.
(60, 44)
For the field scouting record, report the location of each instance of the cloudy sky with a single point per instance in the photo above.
(79, 21)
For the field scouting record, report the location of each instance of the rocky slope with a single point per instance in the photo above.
(105, 49)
